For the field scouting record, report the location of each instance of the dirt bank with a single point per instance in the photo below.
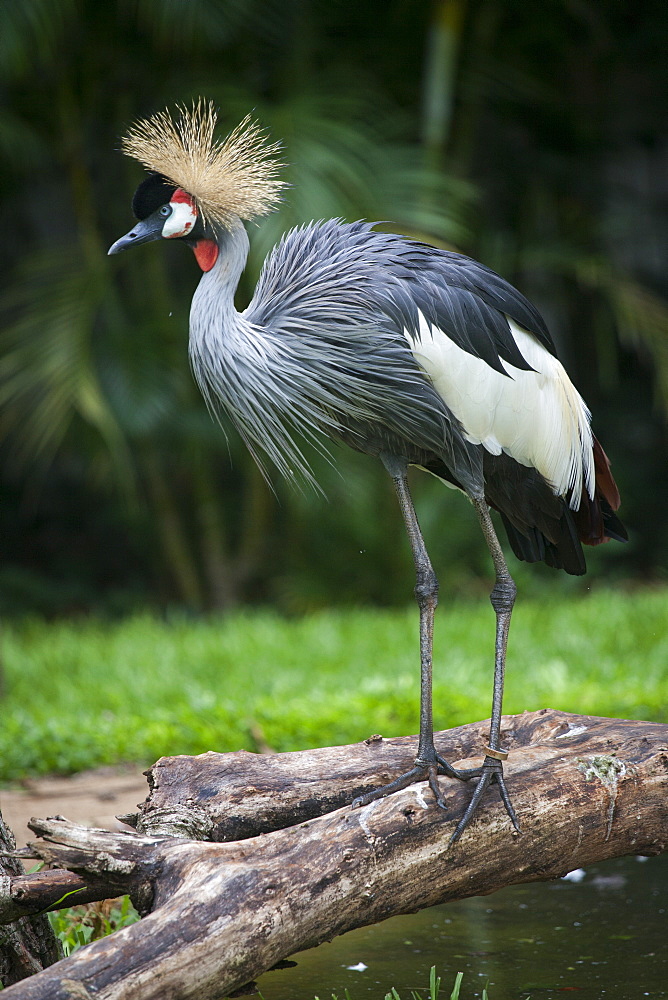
(93, 798)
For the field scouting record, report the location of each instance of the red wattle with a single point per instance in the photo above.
(206, 253)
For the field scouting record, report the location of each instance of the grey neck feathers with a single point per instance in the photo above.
(248, 371)
(229, 355)
(215, 292)
(217, 331)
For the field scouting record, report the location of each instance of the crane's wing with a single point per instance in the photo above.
(470, 303)
(321, 266)
(371, 301)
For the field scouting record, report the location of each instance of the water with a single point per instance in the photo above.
(605, 936)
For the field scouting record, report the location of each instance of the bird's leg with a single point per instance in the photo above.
(428, 762)
(503, 599)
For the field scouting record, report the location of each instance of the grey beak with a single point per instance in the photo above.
(144, 232)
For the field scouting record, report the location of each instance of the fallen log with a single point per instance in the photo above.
(221, 913)
(223, 797)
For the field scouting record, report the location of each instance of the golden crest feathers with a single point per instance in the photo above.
(236, 176)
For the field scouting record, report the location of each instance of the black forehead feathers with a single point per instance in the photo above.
(151, 194)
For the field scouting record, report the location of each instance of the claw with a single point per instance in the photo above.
(418, 773)
(491, 773)
(505, 798)
(432, 777)
(463, 774)
(424, 770)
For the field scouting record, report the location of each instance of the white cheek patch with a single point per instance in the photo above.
(181, 221)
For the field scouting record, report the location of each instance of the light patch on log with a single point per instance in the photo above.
(608, 770)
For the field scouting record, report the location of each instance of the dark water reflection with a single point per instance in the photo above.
(604, 936)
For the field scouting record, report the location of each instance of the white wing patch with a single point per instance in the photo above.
(537, 417)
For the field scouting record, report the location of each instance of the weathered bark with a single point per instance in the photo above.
(222, 913)
(28, 943)
(42, 891)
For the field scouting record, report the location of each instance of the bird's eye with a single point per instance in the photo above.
(166, 210)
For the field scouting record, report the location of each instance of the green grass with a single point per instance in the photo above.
(433, 994)
(83, 693)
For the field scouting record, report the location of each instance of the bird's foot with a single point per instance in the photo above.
(490, 773)
(427, 768)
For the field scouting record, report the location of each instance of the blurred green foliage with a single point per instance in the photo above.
(85, 693)
(76, 926)
(528, 135)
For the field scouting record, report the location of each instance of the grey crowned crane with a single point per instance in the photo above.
(414, 354)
